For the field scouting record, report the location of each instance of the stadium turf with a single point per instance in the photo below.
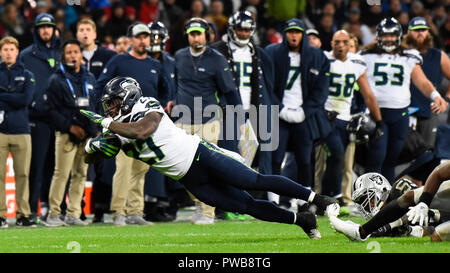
(183, 237)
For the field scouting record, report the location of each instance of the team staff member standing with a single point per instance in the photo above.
(16, 92)
(69, 89)
(301, 84)
(127, 200)
(435, 65)
(155, 184)
(95, 57)
(42, 59)
(202, 72)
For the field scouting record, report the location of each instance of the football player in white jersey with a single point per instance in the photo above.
(390, 68)
(215, 176)
(372, 191)
(345, 69)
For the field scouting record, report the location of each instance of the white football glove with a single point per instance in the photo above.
(292, 115)
(418, 213)
(333, 210)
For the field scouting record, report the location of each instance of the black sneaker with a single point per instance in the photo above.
(3, 223)
(25, 222)
(307, 221)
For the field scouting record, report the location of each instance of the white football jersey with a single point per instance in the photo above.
(242, 58)
(169, 149)
(389, 77)
(343, 76)
(293, 96)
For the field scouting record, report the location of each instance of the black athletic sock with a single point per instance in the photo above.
(391, 212)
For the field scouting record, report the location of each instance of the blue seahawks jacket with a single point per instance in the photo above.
(315, 80)
(42, 61)
(17, 86)
(61, 101)
(147, 72)
(261, 81)
(207, 77)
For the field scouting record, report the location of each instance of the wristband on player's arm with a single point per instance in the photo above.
(426, 198)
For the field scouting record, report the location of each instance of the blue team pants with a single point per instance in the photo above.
(298, 135)
(336, 143)
(221, 181)
(383, 153)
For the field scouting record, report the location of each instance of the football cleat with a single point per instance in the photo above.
(307, 221)
(416, 231)
(348, 228)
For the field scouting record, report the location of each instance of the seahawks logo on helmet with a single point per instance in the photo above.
(122, 93)
(241, 20)
(389, 26)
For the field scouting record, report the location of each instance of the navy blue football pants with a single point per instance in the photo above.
(299, 138)
(336, 143)
(221, 181)
(383, 153)
(42, 163)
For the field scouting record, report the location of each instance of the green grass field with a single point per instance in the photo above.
(183, 237)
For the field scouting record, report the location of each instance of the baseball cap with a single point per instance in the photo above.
(44, 19)
(138, 28)
(312, 31)
(418, 23)
(294, 24)
(195, 26)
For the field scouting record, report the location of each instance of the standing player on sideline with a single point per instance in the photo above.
(413, 203)
(390, 69)
(345, 69)
(215, 176)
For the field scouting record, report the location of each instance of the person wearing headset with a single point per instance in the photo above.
(69, 89)
(203, 80)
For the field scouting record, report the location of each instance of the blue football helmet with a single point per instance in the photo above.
(360, 127)
(158, 37)
(241, 20)
(122, 93)
(389, 26)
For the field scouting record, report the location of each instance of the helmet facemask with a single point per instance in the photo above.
(121, 93)
(109, 104)
(370, 192)
(389, 26)
(241, 20)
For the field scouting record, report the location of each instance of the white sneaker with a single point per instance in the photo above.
(348, 228)
(73, 221)
(120, 220)
(137, 219)
(55, 221)
(204, 220)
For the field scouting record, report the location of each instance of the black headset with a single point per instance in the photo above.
(204, 24)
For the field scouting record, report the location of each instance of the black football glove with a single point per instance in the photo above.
(379, 131)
